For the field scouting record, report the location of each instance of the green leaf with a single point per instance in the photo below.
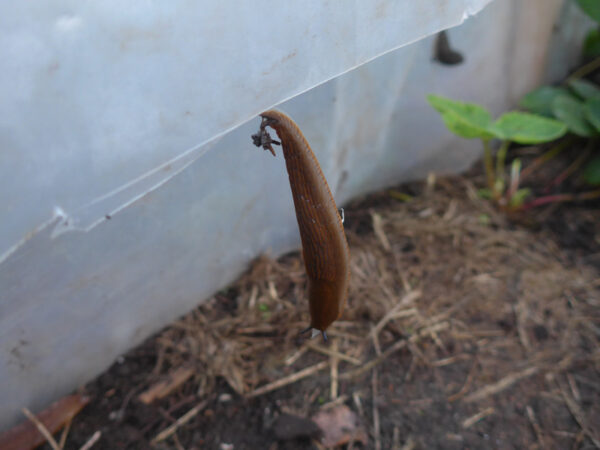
(540, 100)
(485, 193)
(592, 112)
(519, 197)
(591, 173)
(467, 120)
(524, 128)
(572, 113)
(584, 89)
(591, 45)
(591, 8)
(457, 126)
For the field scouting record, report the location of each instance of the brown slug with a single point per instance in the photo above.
(324, 244)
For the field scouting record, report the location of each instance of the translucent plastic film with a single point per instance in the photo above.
(104, 101)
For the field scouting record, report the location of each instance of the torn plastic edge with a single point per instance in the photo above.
(64, 222)
(469, 11)
(103, 208)
(68, 223)
(56, 215)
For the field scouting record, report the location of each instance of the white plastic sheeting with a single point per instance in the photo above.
(102, 105)
(103, 101)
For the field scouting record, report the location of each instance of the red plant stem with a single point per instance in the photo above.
(557, 198)
(560, 198)
(540, 160)
(569, 170)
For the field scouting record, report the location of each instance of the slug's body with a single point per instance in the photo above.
(324, 245)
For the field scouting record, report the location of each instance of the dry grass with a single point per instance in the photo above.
(443, 278)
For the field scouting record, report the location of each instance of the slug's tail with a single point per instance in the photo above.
(315, 332)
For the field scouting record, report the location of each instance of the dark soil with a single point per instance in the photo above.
(500, 339)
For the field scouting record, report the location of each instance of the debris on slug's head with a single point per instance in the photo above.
(263, 139)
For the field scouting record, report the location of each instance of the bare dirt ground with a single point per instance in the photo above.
(463, 330)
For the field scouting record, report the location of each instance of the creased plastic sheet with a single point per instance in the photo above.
(71, 302)
(104, 101)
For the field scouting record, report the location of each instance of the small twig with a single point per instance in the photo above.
(167, 385)
(466, 385)
(41, 428)
(64, 434)
(338, 401)
(91, 441)
(375, 361)
(332, 352)
(392, 349)
(179, 422)
(296, 355)
(177, 443)
(501, 384)
(535, 425)
(376, 344)
(470, 421)
(408, 299)
(358, 403)
(573, 386)
(418, 353)
(578, 415)
(272, 291)
(450, 360)
(334, 361)
(520, 315)
(341, 334)
(288, 380)
(376, 427)
(379, 231)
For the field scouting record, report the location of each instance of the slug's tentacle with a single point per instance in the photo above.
(324, 245)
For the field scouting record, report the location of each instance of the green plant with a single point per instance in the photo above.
(472, 121)
(554, 111)
(591, 45)
(577, 105)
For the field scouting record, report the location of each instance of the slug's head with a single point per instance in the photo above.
(262, 138)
